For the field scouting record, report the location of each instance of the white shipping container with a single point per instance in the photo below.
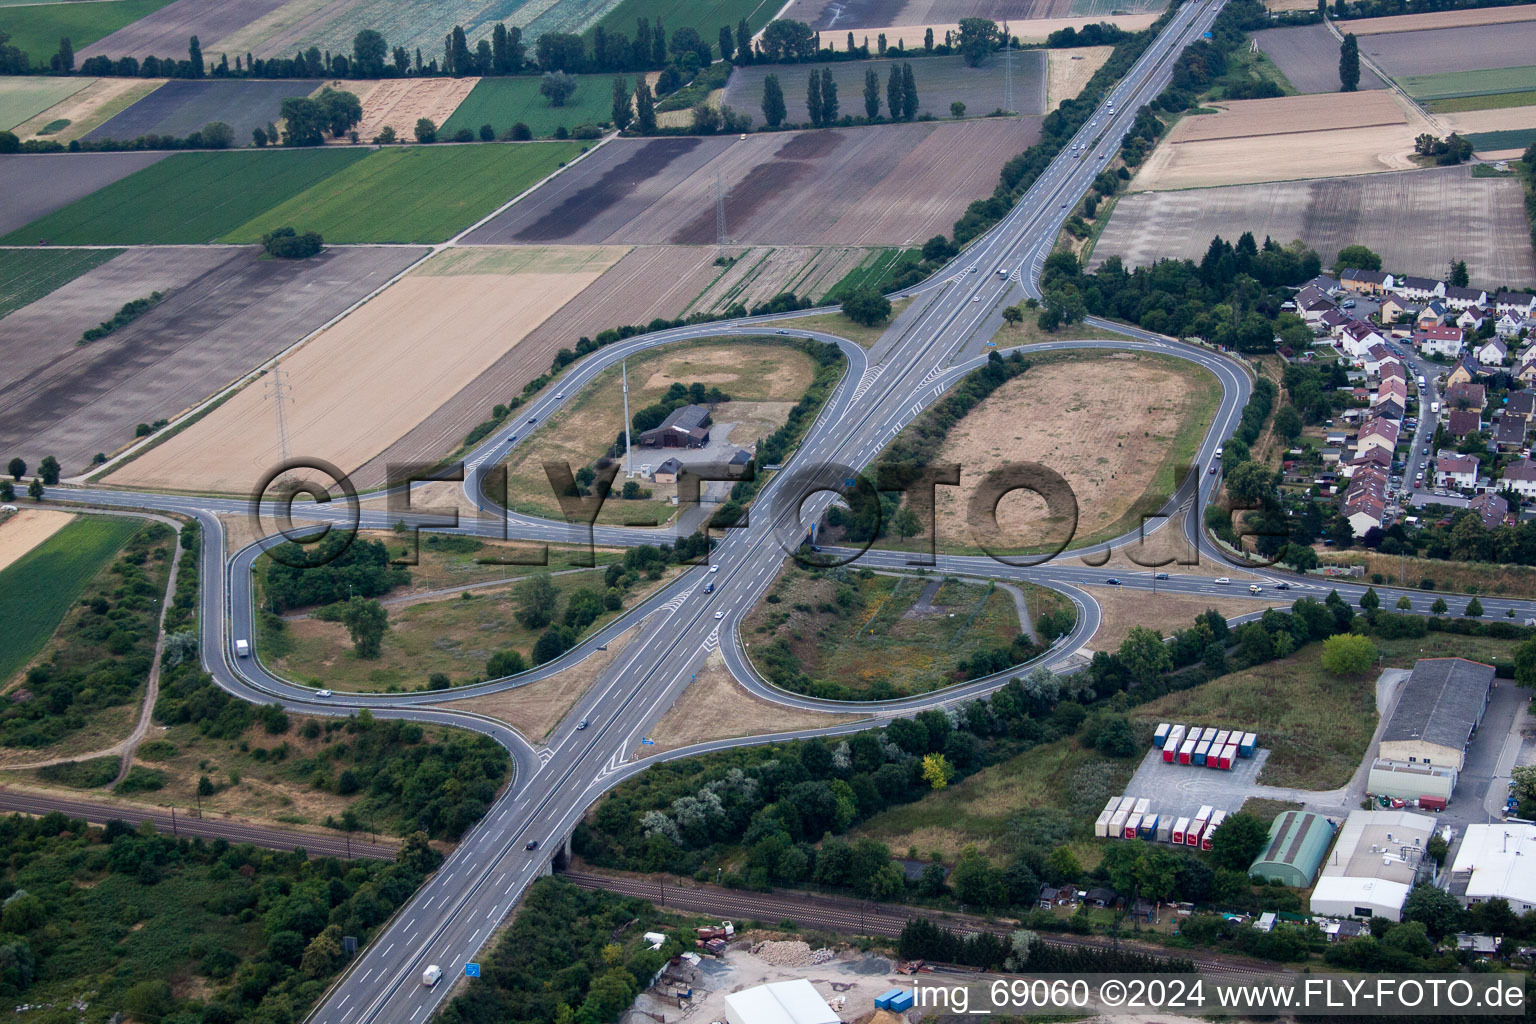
(1175, 737)
(1131, 825)
(1164, 827)
(1101, 826)
(1113, 805)
(1143, 805)
(1127, 804)
(1179, 828)
(1117, 822)
(1197, 734)
(1221, 738)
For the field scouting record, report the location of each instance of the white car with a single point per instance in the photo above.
(322, 693)
(560, 396)
(714, 568)
(1222, 580)
(975, 298)
(719, 615)
(7, 508)
(1254, 588)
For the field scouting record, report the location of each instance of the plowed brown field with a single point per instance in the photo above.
(380, 371)
(400, 102)
(1289, 114)
(1439, 19)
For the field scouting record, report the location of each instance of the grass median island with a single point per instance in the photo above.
(854, 634)
(407, 193)
(27, 275)
(187, 198)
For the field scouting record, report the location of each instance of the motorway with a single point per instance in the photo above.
(935, 341)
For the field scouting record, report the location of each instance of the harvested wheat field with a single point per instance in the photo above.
(90, 108)
(399, 102)
(1286, 115)
(1072, 415)
(22, 531)
(1407, 216)
(372, 377)
(663, 190)
(649, 282)
(1439, 19)
(715, 707)
(1068, 71)
(1471, 122)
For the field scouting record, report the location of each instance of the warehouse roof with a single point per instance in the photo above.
(1441, 703)
(1498, 858)
(784, 1002)
(1297, 842)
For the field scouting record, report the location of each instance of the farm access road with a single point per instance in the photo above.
(936, 340)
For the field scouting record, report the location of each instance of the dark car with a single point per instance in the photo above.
(532, 844)
(1282, 586)
(1161, 576)
(532, 420)
(1113, 581)
(582, 725)
(1214, 467)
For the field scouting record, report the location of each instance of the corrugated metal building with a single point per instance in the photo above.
(1298, 841)
(1378, 859)
(1438, 711)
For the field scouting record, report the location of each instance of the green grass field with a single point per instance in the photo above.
(26, 275)
(707, 16)
(24, 97)
(1490, 142)
(880, 266)
(1458, 84)
(412, 193)
(503, 102)
(39, 587)
(38, 28)
(187, 197)
(1492, 101)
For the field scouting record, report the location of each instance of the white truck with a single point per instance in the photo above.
(1434, 406)
(431, 975)
(243, 648)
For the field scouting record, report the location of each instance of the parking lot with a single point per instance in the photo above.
(1182, 789)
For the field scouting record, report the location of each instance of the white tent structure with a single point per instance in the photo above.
(784, 1002)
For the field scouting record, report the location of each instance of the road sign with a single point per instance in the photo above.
(471, 970)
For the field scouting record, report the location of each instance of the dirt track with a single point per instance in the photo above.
(663, 190)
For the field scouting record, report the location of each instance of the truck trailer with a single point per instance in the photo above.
(1101, 824)
(1164, 827)
(1148, 829)
(1196, 827)
(1187, 752)
(1210, 829)
(1247, 746)
(1160, 735)
(1201, 752)
(1177, 832)
(1132, 824)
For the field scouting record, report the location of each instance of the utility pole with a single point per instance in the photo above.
(629, 448)
(281, 395)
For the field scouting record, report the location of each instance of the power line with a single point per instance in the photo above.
(282, 394)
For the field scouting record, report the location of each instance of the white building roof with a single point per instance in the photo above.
(784, 1002)
(1352, 891)
(1502, 861)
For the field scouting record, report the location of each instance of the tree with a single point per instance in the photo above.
(1349, 64)
(623, 112)
(645, 107)
(1357, 257)
(368, 53)
(937, 771)
(976, 882)
(743, 42)
(304, 121)
(1013, 314)
(1144, 654)
(957, 109)
(1300, 557)
(1348, 654)
(557, 87)
(48, 469)
(893, 92)
(1474, 609)
(864, 305)
(426, 130)
(323, 953)
(64, 60)
(17, 468)
(1405, 603)
(216, 135)
(342, 110)
(285, 243)
(536, 597)
(7, 491)
(1239, 840)
(1439, 607)
(871, 94)
(9, 143)
(906, 522)
(366, 622)
(829, 104)
(908, 92)
(1460, 278)
(727, 42)
(1369, 601)
(773, 101)
(1435, 908)
(35, 489)
(978, 38)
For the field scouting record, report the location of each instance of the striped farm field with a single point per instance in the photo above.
(503, 102)
(186, 198)
(39, 587)
(26, 275)
(1493, 142)
(1491, 101)
(37, 28)
(412, 193)
(1457, 84)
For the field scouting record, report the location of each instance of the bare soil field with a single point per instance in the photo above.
(1288, 5)
(22, 531)
(1308, 56)
(1469, 48)
(182, 106)
(165, 32)
(399, 102)
(227, 311)
(1415, 219)
(1439, 19)
(1471, 122)
(1287, 115)
(1167, 613)
(842, 15)
(761, 273)
(35, 184)
(649, 282)
(1032, 30)
(90, 107)
(1069, 70)
(940, 82)
(715, 707)
(370, 378)
(662, 190)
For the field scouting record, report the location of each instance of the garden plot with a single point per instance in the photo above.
(24, 97)
(165, 32)
(940, 81)
(36, 184)
(226, 311)
(1416, 219)
(89, 108)
(1308, 57)
(663, 190)
(370, 378)
(1441, 51)
(181, 107)
(399, 102)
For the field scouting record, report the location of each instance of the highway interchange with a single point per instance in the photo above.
(940, 337)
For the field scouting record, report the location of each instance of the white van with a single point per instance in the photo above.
(431, 975)
(243, 648)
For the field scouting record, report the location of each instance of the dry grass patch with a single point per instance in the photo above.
(1068, 71)
(836, 323)
(103, 730)
(1287, 115)
(535, 709)
(1450, 577)
(398, 103)
(22, 531)
(715, 707)
(1439, 19)
(383, 369)
(1167, 613)
(1467, 122)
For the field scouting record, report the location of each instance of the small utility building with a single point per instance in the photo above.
(1440, 708)
(784, 1002)
(1298, 840)
(685, 427)
(1379, 857)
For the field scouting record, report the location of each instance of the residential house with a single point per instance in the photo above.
(666, 473)
(1324, 283)
(1357, 338)
(1520, 477)
(1312, 310)
(1466, 370)
(1508, 326)
(1490, 508)
(1417, 289)
(1391, 390)
(1435, 314)
(1492, 352)
(1101, 897)
(1439, 341)
(1379, 458)
(1472, 319)
(1057, 896)
(1521, 404)
(1375, 357)
(1393, 371)
(1462, 422)
(1340, 930)
(1392, 308)
(1365, 500)
(1464, 298)
(1509, 433)
(1456, 471)
(1377, 432)
(1366, 282)
(1525, 365)
(1332, 322)
(1519, 303)
(1462, 395)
